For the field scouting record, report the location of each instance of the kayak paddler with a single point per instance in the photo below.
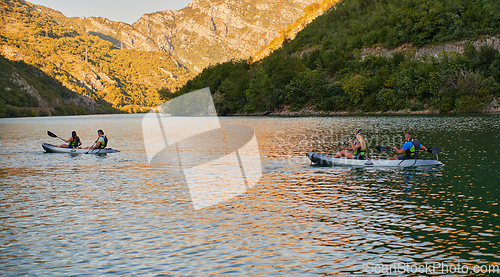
(410, 148)
(101, 142)
(357, 149)
(73, 142)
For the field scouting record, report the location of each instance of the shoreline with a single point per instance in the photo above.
(491, 108)
(308, 113)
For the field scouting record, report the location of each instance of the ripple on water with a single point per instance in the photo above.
(114, 214)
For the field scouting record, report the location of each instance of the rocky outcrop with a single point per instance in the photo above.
(206, 31)
(25, 86)
(458, 46)
(121, 34)
(435, 50)
(11, 52)
(212, 31)
(493, 107)
(81, 100)
(291, 31)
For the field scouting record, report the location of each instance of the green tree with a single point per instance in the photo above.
(355, 87)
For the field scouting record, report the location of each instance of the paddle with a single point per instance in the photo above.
(90, 149)
(433, 150)
(54, 135)
(346, 142)
(357, 133)
(380, 148)
(94, 148)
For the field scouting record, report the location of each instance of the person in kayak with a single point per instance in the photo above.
(356, 151)
(101, 142)
(73, 142)
(410, 148)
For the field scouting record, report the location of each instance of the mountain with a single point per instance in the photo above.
(114, 66)
(210, 31)
(56, 49)
(28, 91)
(371, 56)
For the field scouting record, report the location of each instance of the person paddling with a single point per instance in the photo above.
(358, 149)
(73, 142)
(101, 142)
(410, 148)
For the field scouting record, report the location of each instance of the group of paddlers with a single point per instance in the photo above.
(75, 142)
(357, 150)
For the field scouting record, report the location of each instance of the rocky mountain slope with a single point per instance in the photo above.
(62, 60)
(210, 31)
(96, 64)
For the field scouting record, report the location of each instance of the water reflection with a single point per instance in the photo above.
(115, 214)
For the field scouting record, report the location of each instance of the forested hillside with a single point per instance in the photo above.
(323, 67)
(27, 91)
(49, 58)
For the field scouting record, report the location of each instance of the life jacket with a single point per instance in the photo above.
(73, 143)
(360, 152)
(412, 153)
(103, 145)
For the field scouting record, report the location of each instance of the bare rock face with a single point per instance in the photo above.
(206, 31)
(25, 86)
(435, 50)
(120, 34)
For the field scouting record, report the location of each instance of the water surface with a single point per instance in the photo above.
(91, 214)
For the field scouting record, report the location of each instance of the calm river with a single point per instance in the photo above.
(65, 214)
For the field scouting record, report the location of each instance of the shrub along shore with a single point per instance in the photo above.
(491, 108)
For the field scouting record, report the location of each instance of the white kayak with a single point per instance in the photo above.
(329, 160)
(56, 149)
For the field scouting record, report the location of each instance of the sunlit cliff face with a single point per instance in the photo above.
(209, 32)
